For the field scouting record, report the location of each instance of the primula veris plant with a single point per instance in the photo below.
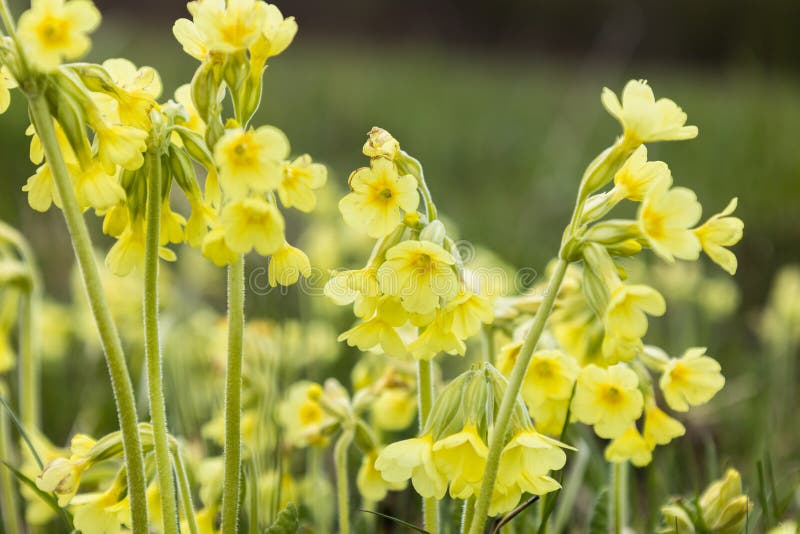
(537, 374)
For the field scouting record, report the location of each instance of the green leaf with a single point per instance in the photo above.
(22, 432)
(599, 521)
(400, 522)
(287, 522)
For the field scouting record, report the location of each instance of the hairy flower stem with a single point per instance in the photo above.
(342, 493)
(185, 492)
(468, 514)
(112, 347)
(9, 509)
(619, 474)
(152, 347)
(497, 441)
(233, 397)
(430, 507)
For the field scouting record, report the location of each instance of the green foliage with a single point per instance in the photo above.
(287, 522)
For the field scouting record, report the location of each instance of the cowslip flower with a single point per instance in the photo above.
(462, 459)
(220, 26)
(665, 218)
(724, 507)
(252, 223)
(251, 159)
(420, 273)
(608, 398)
(412, 459)
(286, 265)
(369, 481)
(121, 145)
(376, 198)
(660, 428)
(379, 330)
(629, 446)
(63, 476)
(469, 310)
(276, 35)
(437, 337)
(171, 229)
(102, 512)
(550, 415)
(692, 379)
(645, 119)
(637, 175)
(394, 409)
(41, 189)
(302, 417)
(136, 92)
(300, 178)
(95, 188)
(527, 459)
(216, 249)
(717, 233)
(551, 375)
(53, 30)
(7, 82)
(625, 318)
(128, 252)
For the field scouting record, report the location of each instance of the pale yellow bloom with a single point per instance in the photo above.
(660, 428)
(462, 459)
(41, 189)
(379, 330)
(220, 26)
(136, 92)
(302, 417)
(526, 461)
(470, 310)
(127, 253)
(251, 159)
(549, 416)
(253, 223)
(216, 249)
(692, 379)
(300, 178)
(53, 30)
(183, 96)
(120, 145)
(504, 499)
(625, 319)
(608, 398)
(394, 409)
(551, 375)
(629, 446)
(719, 232)
(413, 458)
(637, 175)
(171, 228)
(63, 476)
(276, 35)
(7, 82)
(420, 273)
(378, 194)
(665, 219)
(101, 513)
(369, 481)
(95, 188)
(287, 264)
(645, 119)
(437, 337)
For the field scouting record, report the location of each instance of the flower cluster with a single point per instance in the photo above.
(594, 363)
(414, 298)
(451, 449)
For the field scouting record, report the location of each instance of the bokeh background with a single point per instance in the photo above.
(500, 101)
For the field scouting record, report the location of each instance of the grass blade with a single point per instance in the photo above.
(395, 520)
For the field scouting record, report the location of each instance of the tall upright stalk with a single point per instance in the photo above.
(342, 494)
(9, 509)
(430, 506)
(233, 398)
(112, 347)
(152, 347)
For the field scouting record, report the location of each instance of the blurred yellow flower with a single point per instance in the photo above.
(718, 232)
(394, 409)
(119, 145)
(102, 513)
(461, 457)
(276, 35)
(251, 159)
(637, 175)
(527, 459)
(171, 228)
(253, 223)
(286, 265)
(95, 188)
(469, 311)
(53, 30)
(369, 481)
(41, 189)
(300, 178)
(302, 417)
(549, 416)
(608, 398)
(376, 198)
(645, 119)
(413, 458)
(220, 26)
(629, 446)
(660, 428)
(7, 82)
(625, 319)
(216, 249)
(551, 375)
(692, 379)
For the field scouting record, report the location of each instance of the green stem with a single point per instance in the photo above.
(185, 492)
(430, 507)
(8, 502)
(618, 476)
(468, 515)
(497, 441)
(152, 346)
(115, 358)
(342, 492)
(233, 398)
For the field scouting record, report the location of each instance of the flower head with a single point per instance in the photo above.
(608, 398)
(630, 446)
(717, 233)
(7, 82)
(462, 459)
(413, 459)
(276, 35)
(665, 218)
(692, 379)
(660, 428)
(53, 30)
(637, 175)
(369, 481)
(251, 159)
(300, 178)
(625, 318)
(527, 459)
(286, 265)
(551, 375)
(253, 223)
(220, 26)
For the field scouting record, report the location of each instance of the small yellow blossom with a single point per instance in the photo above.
(251, 159)
(625, 318)
(300, 178)
(437, 337)
(394, 409)
(527, 459)
(7, 82)
(719, 232)
(469, 311)
(253, 223)
(276, 35)
(462, 459)
(692, 379)
(379, 330)
(127, 253)
(95, 188)
(507, 357)
(183, 96)
(660, 428)
(171, 228)
(136, 92)
(420, 273)
(645, 119)
(101, 513)
(302, 417)
(369, 481)
(504, 499)
(551, 375)
(120, 145)
(665, 218)
(378, 194)
(629, 446)
(220, 26)
(53, 30)
(41, 189)
(637, 175)
(286, 265)
(216, 249)
(608, 398)
(202, 216)
(413, 458)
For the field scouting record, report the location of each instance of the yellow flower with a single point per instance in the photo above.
(377, 197)
(115, 220)
(643, 118)
(608, 398)
(462, 459)
(53, 30)
(7, 355)
(437, 337)
(637, 175)
(625, 320)
(127, 253)
(7, 82)
(630, 446)
(120, 145)
(302, 417)
(413, 458)
(253, 223)
(469, 311)
(220, 26)
(95, 188)
(101, 513)
(369, 481)
(380, 143)
(251, 159)
(379, 330)
(394, 409)
(527, 459)
(550, 415)
(551, 375)
(300, 178)
(345, 286)
(665, 218)
(507, 357)
(171, 227)
(136, 91)
(721, 231)
(420, 273)
(724, 508)
(202, 215)
(287, 264)
(692, 379)
(277, 34)
(63, 476)
(41, 189)
(660, 428)
(504, 499)
(216, 249)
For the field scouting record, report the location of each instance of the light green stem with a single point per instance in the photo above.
(497, 440)
(468, 515)
(618, 480)
(8, 495)
(342, 491)
(185, 492)
(115, 358)
(430, 507)
(233, 398)
(152, 348)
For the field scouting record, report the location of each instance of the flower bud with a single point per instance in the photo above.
(434, 232)
(380, 143)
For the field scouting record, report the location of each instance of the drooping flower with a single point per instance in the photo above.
(437, 337)
(300, 178)
(526, 461)
(379, 330)
(276, 35)
(251, 159)
(95, 188)
(608, 398)
(369, 481)
(253, 223)
(286, 265)
(216, 249)
(41, 189)
(717, 233)
(660, 428)
(629, 446)
(413, 459)
(645, 119)
(121, 145)
(128, 252)
(378, 194)
(53, 30)
(7, 82)
(625, 319)
(551, 375)
(634, 179)
(470, 310)
(462, 459)
(692, 379)
(665, 219)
